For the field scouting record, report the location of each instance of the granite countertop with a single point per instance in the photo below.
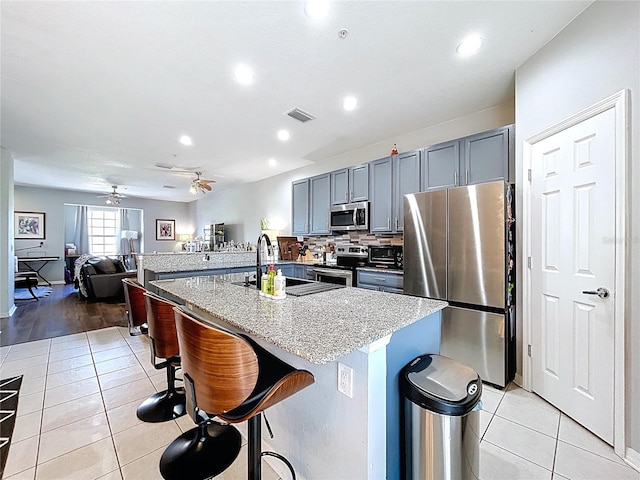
(320, 328)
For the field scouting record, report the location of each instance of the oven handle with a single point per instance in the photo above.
(333, 273)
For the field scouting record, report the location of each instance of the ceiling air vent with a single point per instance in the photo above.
(300, 115)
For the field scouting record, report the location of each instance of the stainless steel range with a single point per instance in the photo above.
(343, 272)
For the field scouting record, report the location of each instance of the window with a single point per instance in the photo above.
(103, 230)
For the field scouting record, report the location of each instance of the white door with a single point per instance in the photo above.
(573, 244)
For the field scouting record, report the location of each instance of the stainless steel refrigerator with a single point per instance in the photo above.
(459, 247)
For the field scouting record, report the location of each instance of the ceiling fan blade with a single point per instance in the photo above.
(206, 181)
(208, 187)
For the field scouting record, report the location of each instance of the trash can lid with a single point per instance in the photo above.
(441, 385)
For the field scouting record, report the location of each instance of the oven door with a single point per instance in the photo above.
(335, 276)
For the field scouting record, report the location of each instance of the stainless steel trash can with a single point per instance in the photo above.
(441, 409)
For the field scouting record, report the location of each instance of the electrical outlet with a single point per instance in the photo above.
(345, 380)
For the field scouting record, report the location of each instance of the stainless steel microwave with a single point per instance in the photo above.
(351, 216)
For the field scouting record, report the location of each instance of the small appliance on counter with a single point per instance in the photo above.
(387, 256)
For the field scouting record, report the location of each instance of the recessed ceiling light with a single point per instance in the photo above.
(316, 9)
(186, 140)
(243, 75)
(272, 162)
(283, 135)
(469, 45)
(349, 103)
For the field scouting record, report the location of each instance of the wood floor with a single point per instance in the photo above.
(61, 313)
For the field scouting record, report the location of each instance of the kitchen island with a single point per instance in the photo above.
(325, 433)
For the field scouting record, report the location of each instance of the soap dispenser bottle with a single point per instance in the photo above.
(279, 284)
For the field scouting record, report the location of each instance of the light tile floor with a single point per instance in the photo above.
(76, 420)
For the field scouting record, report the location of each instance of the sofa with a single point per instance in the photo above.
(101, 277)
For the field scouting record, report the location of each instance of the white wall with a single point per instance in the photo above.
(596, 56)
(6, 234)
(51, 202)
(242, 208)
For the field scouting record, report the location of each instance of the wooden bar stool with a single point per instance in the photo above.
(136, 311)
(170, 403)
(229, 376)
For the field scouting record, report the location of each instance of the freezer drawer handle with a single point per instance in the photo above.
(601, 292)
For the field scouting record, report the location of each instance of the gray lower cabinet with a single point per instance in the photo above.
(390, 179)
(300, 207)
(382, 281)
(319, 199)
(302, 271)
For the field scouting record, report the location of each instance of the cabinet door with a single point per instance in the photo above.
(407, 180)
(380, 195)
(319, 194)
(441, 166)
(300, 207)
(486, 156)
(359, 183)
(340, 186)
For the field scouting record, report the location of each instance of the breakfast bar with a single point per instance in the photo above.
(324, 432)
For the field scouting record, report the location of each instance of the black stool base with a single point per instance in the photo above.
(162, 407)
(197, 457)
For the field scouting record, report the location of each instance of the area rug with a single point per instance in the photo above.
(9, 389)
(23, 293)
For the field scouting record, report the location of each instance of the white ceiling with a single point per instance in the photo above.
(96, 93)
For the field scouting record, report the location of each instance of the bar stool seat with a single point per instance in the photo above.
(170, 403)
(228, 376)
(136, 310)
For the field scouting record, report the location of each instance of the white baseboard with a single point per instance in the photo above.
(11, 311)
(632, 457)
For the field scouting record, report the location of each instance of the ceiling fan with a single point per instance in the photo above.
(113, 198)
(200, 186)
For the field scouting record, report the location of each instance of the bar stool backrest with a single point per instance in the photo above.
(162, 326)
(223, 366)
(134, 296)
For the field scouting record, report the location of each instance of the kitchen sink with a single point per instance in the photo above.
(297, 287)
(290, 282)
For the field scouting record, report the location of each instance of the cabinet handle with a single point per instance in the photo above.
(455, 179)
(381, 279)
(388, 224)
(351, 195)
(397, 223)
(466, 177)
(346, 197)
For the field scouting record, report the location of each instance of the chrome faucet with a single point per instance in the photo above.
(258, 257)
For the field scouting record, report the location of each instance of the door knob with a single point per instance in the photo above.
(601, 292)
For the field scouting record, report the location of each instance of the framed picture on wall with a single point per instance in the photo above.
(165, 229)
(28, 225)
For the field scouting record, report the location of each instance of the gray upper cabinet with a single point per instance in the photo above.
(320, 197)
(350, 185)
(479, 158)
(406, 179)
(486, 156)
(300, 207)
(441, 165)
(390, 179)
(380, 195)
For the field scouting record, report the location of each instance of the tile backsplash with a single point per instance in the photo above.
(356, 238)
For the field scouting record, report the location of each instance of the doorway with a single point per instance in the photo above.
(574, 200)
